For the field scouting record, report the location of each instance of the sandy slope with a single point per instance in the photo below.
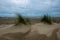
(39, 31)
(11, 28)
(45, 28)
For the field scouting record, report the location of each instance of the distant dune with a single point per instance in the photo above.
(32, 20)
(7, 20)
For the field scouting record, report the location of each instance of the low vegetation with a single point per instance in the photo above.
(46, 19)
(21, 19)
(26, 21)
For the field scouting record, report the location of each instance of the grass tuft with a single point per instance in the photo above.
(46, 19)
(20, 19)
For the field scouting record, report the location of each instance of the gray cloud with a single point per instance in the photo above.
(35, 7)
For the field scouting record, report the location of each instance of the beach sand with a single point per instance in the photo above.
(39, 31)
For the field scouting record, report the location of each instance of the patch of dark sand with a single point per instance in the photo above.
(2, 38)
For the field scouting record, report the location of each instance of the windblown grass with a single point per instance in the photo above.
(26, 21)
(46, 19)
(22, 20)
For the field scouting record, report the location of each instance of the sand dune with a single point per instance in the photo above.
(39, 31)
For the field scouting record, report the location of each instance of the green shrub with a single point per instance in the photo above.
(20, 19)
(46, 19)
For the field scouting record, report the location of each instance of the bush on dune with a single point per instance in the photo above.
(46, 19)
(21, 19)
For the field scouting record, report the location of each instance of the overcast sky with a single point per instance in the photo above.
(29, 8)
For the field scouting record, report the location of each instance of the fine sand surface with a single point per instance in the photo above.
(39, 31)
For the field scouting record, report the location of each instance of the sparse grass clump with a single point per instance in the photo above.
(46, 19)
(20, 19)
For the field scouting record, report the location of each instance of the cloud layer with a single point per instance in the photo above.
(33, 8)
